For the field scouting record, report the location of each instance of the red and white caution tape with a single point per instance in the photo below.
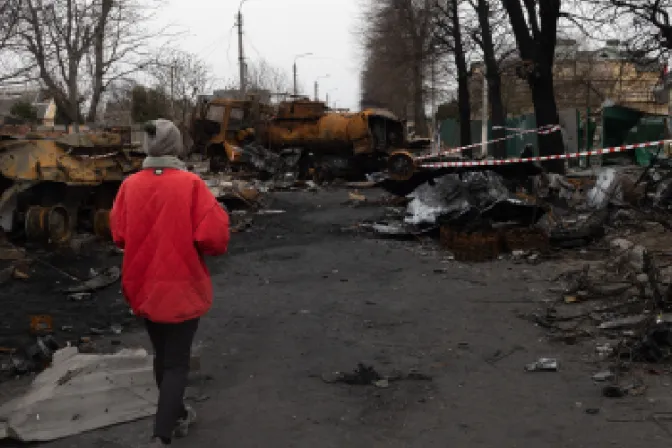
(573, 155)
(540, 131)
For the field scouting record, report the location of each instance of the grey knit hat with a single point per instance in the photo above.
(162, 138)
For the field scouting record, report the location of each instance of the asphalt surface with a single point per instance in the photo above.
(300, 296)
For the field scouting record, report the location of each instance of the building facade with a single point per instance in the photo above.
(38, 98)
(583, 80)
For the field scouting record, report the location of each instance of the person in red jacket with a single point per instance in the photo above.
(165, 219)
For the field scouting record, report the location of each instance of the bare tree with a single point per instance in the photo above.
(9, 24)
(121, 44)
(399, 38)
(535, 27)
(183, 75)
(261, 75)
(9, 19)
(492, 37)
(58, 34)
(414, 19)
(647, 31)
(80, 47)
(449, 31)
(386, 76)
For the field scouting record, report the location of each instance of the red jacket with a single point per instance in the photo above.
(165, 223)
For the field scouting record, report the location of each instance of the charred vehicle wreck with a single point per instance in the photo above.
(51, 189)
(299, 135)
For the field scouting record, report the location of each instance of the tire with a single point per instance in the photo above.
(219, 162)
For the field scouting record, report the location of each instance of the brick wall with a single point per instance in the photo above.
(579, 83)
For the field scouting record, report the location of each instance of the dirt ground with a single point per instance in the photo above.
(300, 295)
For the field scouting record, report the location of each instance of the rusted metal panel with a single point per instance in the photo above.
(101, 224)
(301, 110)
(46, 160)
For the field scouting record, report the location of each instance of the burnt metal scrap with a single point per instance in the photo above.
(470, 201)
(269, 162)
(477, 213)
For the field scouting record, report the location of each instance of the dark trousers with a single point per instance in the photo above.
(172, 356)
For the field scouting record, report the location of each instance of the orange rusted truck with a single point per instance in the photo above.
(233, 132)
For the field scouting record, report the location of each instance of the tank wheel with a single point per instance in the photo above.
(48, 224)
(401, 165)
(305, 167)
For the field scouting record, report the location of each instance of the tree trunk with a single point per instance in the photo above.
(465, 110)
(462, 80)
(546, 112)
(73, 95)
(536, 38)
(99, 61)
(98, 87)
(498, 116)
(493, 78)
(419, 97)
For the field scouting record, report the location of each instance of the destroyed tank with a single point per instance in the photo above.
(51, 189)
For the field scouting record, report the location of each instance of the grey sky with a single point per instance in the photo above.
(277, 30)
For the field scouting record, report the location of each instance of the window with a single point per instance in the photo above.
(236, 119)
(216, 113)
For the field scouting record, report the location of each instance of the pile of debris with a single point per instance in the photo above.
(476, 215)
(623, 302)
(482, 214)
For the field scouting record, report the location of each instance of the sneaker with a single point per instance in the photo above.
(183, 424)
(156, 443)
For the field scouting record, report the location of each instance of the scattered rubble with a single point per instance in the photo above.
(98, 281)
(543, 365)
(487, 212)
(365, 375)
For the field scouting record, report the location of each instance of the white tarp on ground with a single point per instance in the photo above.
(433, 199)
(82, 392)
(607, 188)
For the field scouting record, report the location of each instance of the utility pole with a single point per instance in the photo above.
(241, 56)
(327, 100)
(484, 118)
(317, 87)
(296, 85)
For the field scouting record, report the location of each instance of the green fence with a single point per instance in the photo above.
(620, 126)
(450, 134)
(624, 126)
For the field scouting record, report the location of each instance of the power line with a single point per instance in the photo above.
(214, 44)
(254, 48)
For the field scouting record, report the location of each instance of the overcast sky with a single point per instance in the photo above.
(277, 30)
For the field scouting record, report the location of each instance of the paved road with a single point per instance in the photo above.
(298, 297)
